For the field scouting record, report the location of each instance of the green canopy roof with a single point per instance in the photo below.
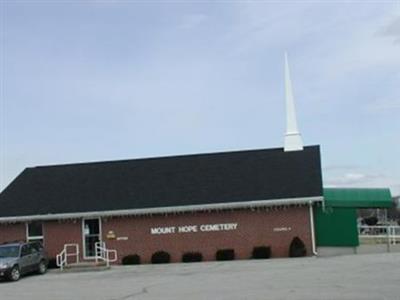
(358, 197)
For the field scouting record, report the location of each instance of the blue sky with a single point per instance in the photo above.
(107, 80)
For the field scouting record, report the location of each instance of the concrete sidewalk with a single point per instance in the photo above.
(375, 276)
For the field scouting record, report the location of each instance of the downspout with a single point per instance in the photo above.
(314, 250)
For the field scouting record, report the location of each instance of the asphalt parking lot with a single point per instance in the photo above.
(375, 276)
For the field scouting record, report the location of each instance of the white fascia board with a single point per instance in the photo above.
(161, 210)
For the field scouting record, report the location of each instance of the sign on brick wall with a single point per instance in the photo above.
(194, 228)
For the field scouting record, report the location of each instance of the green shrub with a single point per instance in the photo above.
(225, 254)
(192, 257)
(261, 252)
(297, 248)
(160, 257)
(132, 259)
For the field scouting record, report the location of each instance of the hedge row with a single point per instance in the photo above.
(296, 249)
(131, 260)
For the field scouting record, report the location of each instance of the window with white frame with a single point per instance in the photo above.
(34, 232)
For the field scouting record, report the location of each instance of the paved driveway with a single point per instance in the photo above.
(353, 277)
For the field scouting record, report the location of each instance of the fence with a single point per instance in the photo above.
(381, 234)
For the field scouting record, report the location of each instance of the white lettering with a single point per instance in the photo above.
(194, 228)
(218, 227)
(279, 229)
(162, 230)
(191, 228)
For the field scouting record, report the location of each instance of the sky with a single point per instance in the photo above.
(107, 80)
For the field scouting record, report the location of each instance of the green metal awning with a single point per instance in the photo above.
(358, 197)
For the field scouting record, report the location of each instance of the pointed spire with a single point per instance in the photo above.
(293, 141)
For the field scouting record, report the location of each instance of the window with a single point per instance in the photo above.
(25, 250)
(34, 231)
(9, 251)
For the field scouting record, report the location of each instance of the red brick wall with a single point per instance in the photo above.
(255, 228)
(12, 232)
(58, 233)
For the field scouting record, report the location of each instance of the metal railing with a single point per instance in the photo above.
(102, 253)
(381, 233)
(62, 257)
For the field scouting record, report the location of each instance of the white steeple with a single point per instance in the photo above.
(293, 141)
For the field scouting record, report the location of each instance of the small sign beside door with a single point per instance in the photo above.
(280, 229)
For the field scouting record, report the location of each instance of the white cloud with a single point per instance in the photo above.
(354, 176)
(392, 30)
(344, 176)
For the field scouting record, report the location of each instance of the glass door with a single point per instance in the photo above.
(91, 235)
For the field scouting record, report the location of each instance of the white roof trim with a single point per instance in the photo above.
(158, 210)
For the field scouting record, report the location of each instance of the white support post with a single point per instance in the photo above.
(392, 235)
(314, 248)
(388, 238)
